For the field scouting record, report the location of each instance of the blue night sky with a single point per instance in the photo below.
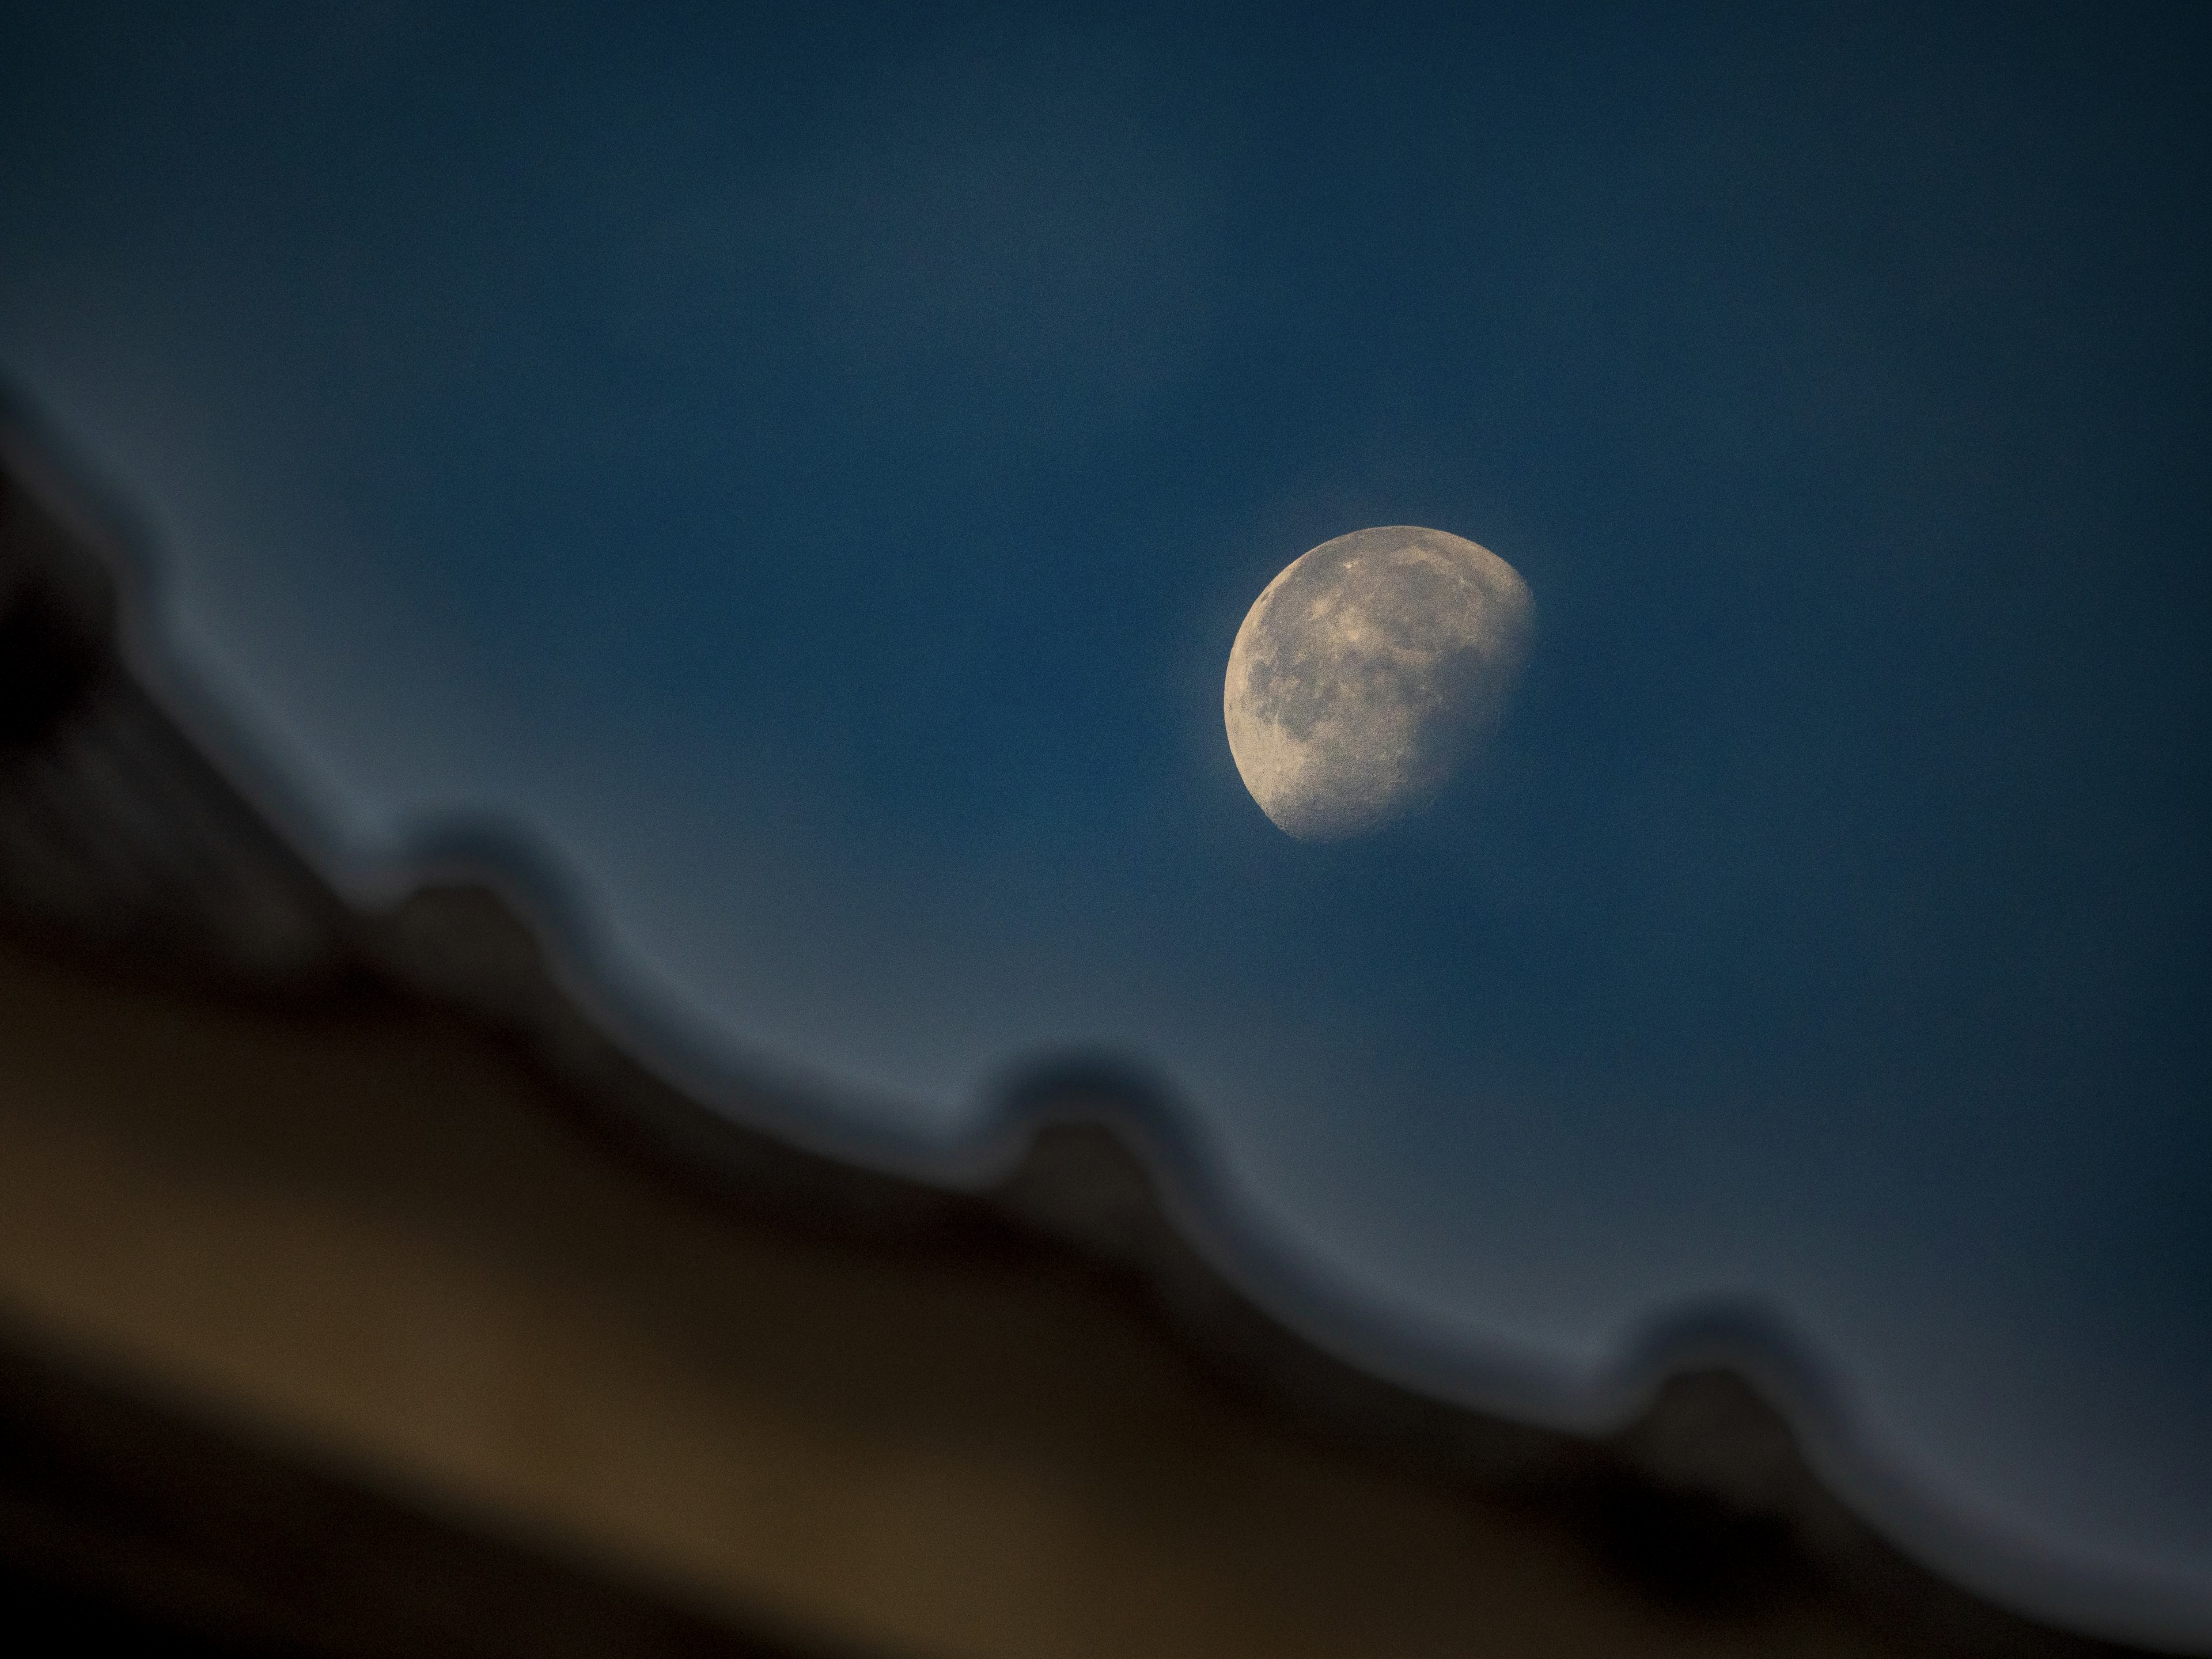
(801, 478)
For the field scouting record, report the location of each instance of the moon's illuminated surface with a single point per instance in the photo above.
(1368, 672)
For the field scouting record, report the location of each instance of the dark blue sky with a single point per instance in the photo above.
(803, 478)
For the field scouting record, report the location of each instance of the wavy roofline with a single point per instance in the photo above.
(1090, 1153)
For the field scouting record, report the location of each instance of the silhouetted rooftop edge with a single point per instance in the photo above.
(121, 843)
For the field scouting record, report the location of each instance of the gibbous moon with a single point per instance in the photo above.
(1369, 673)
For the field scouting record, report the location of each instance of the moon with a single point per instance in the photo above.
(1369, 673)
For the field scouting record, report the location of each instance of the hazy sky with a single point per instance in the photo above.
(804, 478)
